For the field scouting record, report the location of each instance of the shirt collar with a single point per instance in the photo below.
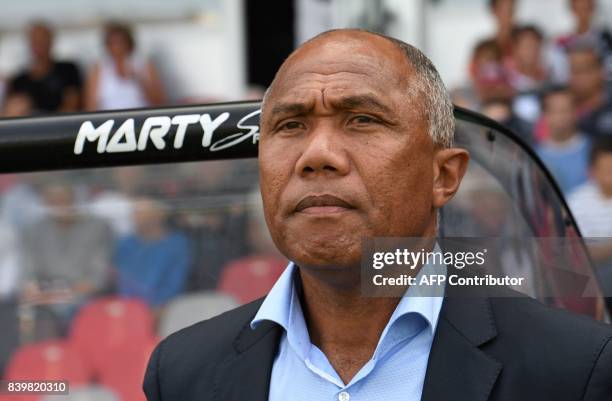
(282, 302)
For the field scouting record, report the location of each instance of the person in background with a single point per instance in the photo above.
(53, 86)
(591, 204)
(20, 202)
(66, 249)
(503, 13)
(528, 72)
(566, 150)
(599, 38)
(66, 255)
(593, 103)
(526, 67)
(501, 111)
(122, 79)
(488, 74)
(153, 263)
(115, 204)
(9, 263)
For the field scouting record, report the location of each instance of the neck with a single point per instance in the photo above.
(563, 137)
(153, 233)
(343, 323)
(583, 26)
(40, 66)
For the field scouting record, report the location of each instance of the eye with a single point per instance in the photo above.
(291, 126)
(363, 119)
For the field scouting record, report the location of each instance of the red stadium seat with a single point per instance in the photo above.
(251, 277)
(124, 370)
(108, 324)
(47, 360)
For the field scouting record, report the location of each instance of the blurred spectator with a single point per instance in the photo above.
(9, 262)
(528, 72)
(122, 79)
(66, 255)
(591, 203)
(566, 151)
(501, 111)
(584, 32)
(488, 74)
(17, 104)
(53, 86)
(593, 103)
(526, 67)
(115, 204)
(20, 204)
(153, 263)
(503, 12)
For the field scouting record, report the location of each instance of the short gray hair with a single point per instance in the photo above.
(427, 85)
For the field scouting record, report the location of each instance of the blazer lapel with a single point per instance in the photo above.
(245, 375)
(457, 369)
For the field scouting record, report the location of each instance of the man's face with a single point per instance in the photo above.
(583, 9)
(504, 12)
(559, 113)
(344, 151)
(527, 50)
(587, 77)
(40, 42)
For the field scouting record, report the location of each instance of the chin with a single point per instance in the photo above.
(330, 256)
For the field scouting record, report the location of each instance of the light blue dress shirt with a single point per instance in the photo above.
(396, 371)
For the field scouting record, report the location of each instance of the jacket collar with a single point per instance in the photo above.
(458, 369)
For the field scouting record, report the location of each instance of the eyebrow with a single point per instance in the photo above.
(350, 102)
(290, 108)
(361, 102)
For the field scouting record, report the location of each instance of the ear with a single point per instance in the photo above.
(449, 166)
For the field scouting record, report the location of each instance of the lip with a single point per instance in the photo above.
(322, 204)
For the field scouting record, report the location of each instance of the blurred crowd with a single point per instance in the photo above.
(121, 79)
(556, 95)
(149, 233)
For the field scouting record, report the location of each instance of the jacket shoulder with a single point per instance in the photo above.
(515, 312)
(185, 362)
(210, 337)
(557, 351)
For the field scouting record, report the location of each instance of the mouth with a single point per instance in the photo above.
(322, 204)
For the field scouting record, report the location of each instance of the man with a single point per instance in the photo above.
(566, 150)
(503, 12)
(587, 84)
(58, 248)
(356, 142)
(53, 86)
(66, 255)
(153, 262)
(591, 204)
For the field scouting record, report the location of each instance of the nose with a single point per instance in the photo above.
(325, 153)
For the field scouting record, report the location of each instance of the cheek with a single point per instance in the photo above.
(274, 174)
(401, 189)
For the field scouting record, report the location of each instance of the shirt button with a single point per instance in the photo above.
(344, 396)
